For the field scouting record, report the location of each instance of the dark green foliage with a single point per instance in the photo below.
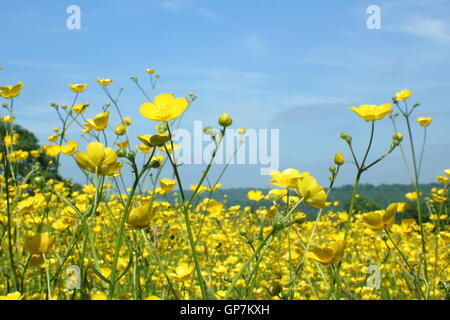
(29, 142)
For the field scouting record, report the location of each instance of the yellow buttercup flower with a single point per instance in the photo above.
(372, 112)
(98, 159)
(201, 189)
(52, 150)
(182, 272)
(99, 296)
(40, 243)
(164, 108)
(100, 122)
(35, 153)
(150, 70)
(53, 138)
(153, 297)
(276, 194)
(424, 121)
(123, 144)
(167, 184)
(287, 179)
(329, 253)
(339, 159)
(12, 296)
(380, 219)
(8, 119)
(104, 82)
(443, 180)
(411, 196)
(141, 216)
(312, 193)
(9, 92)
(447, 172)
(255, 195)
(120, 130)
(78, 88)
(155, 140)
(403, 95)
(70, 148)
(80, 108)
(126, 121)
(144, 148)
(11, 139)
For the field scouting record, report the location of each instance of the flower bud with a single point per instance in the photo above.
(126, 121)
(161, 127)
(242, 131)
(398, 136)
(121, 153)
(275, 288)
(225, 120)
(344, 135)
(39, 181)
(120, 130)
(131, 155)
(208, 131)
(339, 159)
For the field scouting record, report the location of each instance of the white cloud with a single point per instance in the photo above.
(253, 44)
(436, 29)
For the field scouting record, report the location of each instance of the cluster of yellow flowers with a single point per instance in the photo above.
(135, 243)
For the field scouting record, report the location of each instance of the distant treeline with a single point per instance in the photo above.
(371, 197)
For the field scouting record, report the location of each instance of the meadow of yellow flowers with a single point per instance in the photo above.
(109, 240)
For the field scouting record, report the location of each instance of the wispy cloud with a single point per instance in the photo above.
(310, 112)
(253, 44)
(427, 27)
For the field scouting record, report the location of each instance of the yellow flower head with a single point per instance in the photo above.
(424, 121)
(80, 108)
(167, 184)
(381, 219)
(98, 159)
(155, 140)
(182, 272)
(373, 112)
(442, 179)
(40, 243)
(11, 139)
(121, 129)
(9, 92)
(12, 296)
(104, 82)
(8, 119)
(52, 150)
(164, 108)
(287, 179)
(70, 148)
(126, 121)
(329, 253)
(312, 193)
(411, 196)
(201, 189)
(403, 95)
(150, 70)
(100, 122)
(77, 88)
(255, 195)
(144, 148)
(447, 172)
(141, 216)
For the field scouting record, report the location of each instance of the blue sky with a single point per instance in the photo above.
(296, 66)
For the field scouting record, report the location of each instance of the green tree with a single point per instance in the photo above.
(28, 142)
